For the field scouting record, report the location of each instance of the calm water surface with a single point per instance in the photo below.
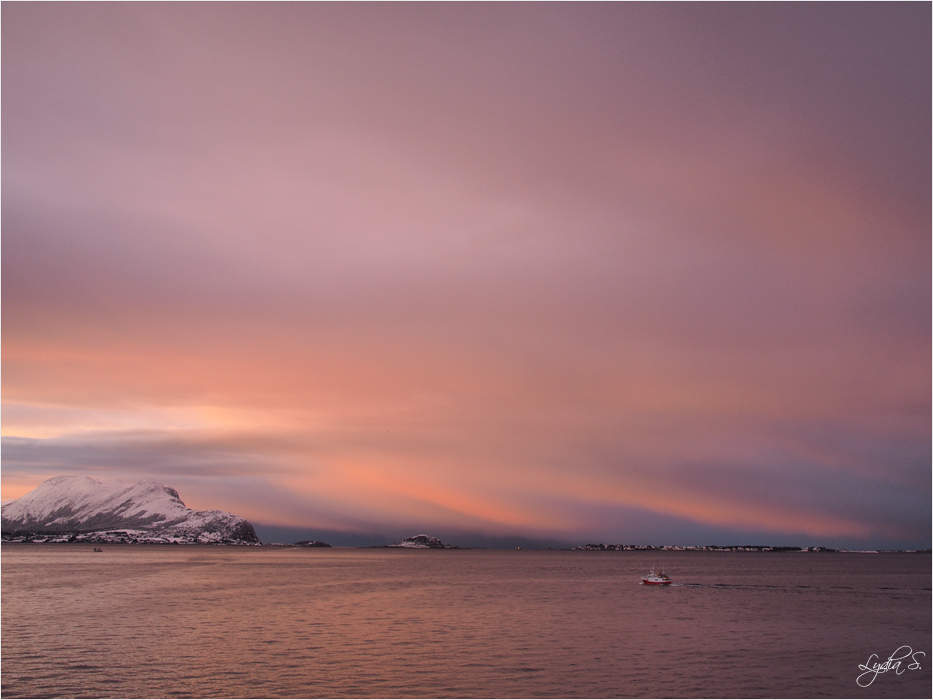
(193, 621)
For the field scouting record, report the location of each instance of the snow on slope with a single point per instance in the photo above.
(83, 504)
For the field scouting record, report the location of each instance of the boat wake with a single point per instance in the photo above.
(735, 585)
(799, 588)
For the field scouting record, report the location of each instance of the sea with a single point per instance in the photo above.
(137, 621)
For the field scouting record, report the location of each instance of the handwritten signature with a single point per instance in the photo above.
(893, 663)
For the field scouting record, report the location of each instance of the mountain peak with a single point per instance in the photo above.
(82, 504)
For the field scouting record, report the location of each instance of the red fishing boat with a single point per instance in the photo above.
(653, 579)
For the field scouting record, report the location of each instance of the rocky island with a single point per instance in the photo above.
(422, 542)
(83, 509)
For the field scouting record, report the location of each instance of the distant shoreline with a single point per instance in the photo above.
(585, 548)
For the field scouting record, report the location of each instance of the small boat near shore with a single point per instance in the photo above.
(656, 579)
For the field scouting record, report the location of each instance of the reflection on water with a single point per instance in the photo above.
(200, 621)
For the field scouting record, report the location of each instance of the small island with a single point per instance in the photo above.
(422, 542)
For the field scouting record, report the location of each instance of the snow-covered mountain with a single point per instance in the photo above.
(145, 511)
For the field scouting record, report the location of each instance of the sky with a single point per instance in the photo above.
(501, 273)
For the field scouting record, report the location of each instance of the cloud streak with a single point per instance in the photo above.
(500, 269)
